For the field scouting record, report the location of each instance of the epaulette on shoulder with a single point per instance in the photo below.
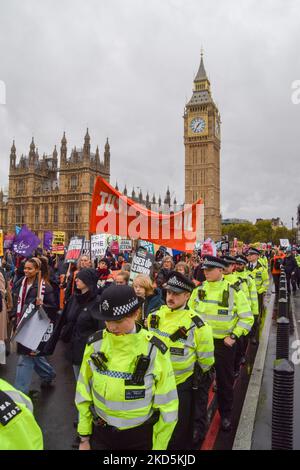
(98, 336)
(159, 344)
(235, 286)
(198, 321)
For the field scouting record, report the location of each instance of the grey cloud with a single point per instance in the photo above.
(125, 69)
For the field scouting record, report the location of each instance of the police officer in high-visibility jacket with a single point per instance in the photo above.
(226, 309)
(126, 392)
(192, 350)
(18, 427)
(261, 277)
(248, 285)
(229, 270)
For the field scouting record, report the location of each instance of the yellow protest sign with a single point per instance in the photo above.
(58, 243)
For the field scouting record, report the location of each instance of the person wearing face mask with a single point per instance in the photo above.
(192, 353)
(81, 315)
(33, 289)
(126, 392)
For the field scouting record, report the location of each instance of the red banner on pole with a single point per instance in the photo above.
(116, 214)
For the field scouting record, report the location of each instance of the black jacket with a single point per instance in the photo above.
(50, 305)
(81, 322)
(162, 277)
(290, 264)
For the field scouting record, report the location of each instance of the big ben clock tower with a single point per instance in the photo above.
(202, 153)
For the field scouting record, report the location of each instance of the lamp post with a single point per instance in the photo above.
(292, 223)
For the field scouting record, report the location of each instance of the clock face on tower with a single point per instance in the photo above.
(197, 125)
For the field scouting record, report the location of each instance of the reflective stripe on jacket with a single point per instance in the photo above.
(127, 406)
(197, 347)
(233, 316)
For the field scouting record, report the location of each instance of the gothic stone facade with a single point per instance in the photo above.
(47, 197)
(202, 153)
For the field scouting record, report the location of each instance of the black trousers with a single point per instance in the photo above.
(200, 403)
(241, 347)
(139, 438)
(276, 278)
(183, 432)
(291, 280)
(224, 365)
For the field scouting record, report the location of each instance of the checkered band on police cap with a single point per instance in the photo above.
(117, 302)
(126, 308)
(214, 262)
(180, 282)
(253, 251)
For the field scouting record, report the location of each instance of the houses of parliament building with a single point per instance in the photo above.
(47, 195)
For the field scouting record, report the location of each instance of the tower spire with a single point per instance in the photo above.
(201, 74)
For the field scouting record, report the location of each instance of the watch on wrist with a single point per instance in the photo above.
(233, 336)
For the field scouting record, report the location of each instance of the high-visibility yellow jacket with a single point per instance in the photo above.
(297, 258)
(261, 277)
(224, 307)
(264, 262)
(249, 287)
(19, 430)
(197, 346)
(231, 278)
(119, 404)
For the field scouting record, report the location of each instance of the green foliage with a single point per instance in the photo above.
(262, 231)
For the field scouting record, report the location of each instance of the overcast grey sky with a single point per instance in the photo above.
(125, 69)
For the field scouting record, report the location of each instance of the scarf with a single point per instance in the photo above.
(23, 294)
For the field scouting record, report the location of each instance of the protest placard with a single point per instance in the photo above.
(142, 263)
(125, 244)
(98, 245)
(74, 249)
(58, 243)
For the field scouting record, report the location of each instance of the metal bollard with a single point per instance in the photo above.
(283, 338)
(282, 293)
(282, 308)
(283, 405)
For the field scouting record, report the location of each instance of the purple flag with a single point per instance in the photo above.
(47, 243)
(25, 242)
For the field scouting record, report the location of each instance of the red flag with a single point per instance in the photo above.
(114, 213)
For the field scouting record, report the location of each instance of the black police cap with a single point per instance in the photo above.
(213, 262)
(229, 259)
(177, 282)
(117, 302)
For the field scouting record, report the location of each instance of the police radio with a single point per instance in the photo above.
(139, 373)
(99, 359)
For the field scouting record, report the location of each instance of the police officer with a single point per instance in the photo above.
(226, 309)
(247, 284)
(229, 269)
(192, 353)
(261, 277)
(126, 391)
(18, 427)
